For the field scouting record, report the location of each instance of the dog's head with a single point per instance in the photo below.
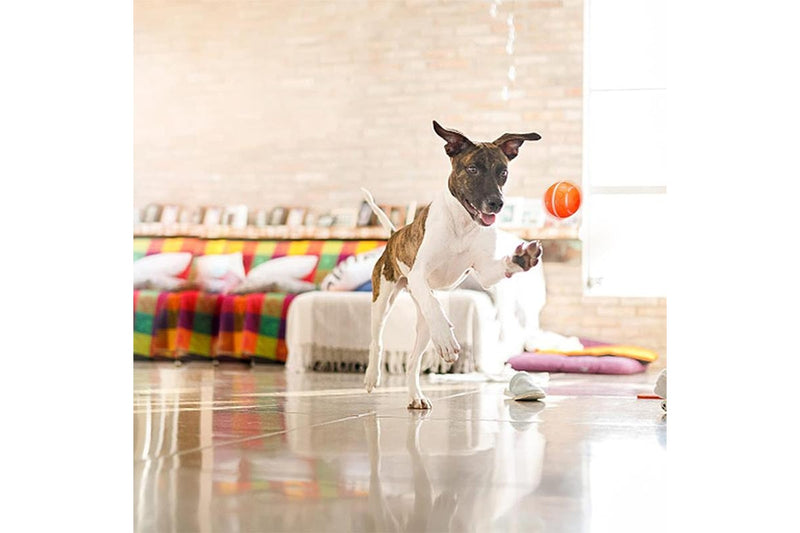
(480, 170)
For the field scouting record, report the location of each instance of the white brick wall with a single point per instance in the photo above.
(272, 103)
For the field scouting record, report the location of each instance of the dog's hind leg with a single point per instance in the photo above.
(414, 364)
(380, 311)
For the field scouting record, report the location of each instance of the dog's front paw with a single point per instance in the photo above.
(372, 379)
(526, 256)
(419, 403)
(446, 346)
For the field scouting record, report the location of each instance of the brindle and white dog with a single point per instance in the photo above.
(447, 240)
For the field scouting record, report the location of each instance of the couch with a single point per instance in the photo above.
(321, 330)
(195, 324)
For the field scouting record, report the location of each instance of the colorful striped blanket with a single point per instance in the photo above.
(190, 324)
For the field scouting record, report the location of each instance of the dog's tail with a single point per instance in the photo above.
(382, 217)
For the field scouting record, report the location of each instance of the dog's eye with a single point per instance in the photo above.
(472, 169)
(501, 179)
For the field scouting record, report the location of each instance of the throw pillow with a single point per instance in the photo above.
(219, 272)
(288, 267)
(151, 270)
(353, 272)
(282, 274)
(366, 287)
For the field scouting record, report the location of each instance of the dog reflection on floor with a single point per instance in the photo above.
(427, 514)
(478, 485)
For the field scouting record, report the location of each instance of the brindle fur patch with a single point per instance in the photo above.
(402, 246)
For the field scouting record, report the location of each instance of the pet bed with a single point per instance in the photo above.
(595, 358)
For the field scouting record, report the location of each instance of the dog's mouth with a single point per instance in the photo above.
(484, 219)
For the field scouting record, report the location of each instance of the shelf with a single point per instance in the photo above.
(317, 233)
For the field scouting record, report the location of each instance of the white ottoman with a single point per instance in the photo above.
(330, 331)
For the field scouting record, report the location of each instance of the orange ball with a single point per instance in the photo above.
(562, 199)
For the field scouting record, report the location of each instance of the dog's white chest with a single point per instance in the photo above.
(448, 274)
(447, 251)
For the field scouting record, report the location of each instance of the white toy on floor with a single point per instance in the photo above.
(523, 386)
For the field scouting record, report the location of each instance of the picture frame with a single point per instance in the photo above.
(152, 213)
(261, 218)
(296, 216)
(345, 217)
(169, 214)
(212, 215)
(278, 216)
(365, 214)
(189, 215)
(235, 216)
(511, 214)
(533, 214)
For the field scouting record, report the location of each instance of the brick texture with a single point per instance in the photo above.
(269, 103)
(640, 321)
(281, 103)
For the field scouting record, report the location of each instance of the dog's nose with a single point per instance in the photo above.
(494, 204)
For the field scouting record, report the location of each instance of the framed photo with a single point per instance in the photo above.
(345, 217)
(278, 216)
(235, 216)
(364, 214)
(261, 218)
(212, 216)
(296, 216)
(511, 215)
(152, 213)
(189, 215)
(169, 214)
(533, 213)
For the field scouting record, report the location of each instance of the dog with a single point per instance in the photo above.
(447, 240)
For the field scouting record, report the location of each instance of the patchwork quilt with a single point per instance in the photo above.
(194, 323)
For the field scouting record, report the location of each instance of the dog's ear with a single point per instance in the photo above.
(509, 143)
(457, 142)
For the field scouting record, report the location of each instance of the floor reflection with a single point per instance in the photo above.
(238, 450)
(471, 487)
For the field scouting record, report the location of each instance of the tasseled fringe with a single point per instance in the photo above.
(319, 358)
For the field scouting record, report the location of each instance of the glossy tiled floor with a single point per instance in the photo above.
(235, 449)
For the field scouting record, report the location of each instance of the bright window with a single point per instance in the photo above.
(625, 220)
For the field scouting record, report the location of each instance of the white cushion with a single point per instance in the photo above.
(218, 266)
(291, 267)
(159, 267)
(353, 272)
(282, 274)
(219, 272)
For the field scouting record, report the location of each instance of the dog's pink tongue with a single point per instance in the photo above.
(487, 218)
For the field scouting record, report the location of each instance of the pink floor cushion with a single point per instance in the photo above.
(576, 364)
